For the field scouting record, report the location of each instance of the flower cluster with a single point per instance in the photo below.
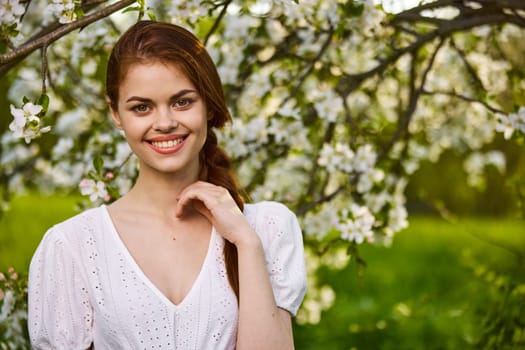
(10, 13)
(328, 105)
(335, 158)
(511, 123)
(356, 224)
(477, 162)
(27, 123)
(96, 190)
(188, 11)
(13, 310)
(64, 10)
(303, 111)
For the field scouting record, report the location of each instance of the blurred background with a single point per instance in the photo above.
(427, 95)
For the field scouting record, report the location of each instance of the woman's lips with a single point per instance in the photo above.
(167, 144)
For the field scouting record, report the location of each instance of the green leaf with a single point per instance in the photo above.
(79, 13)
(353, 9)
(43, 100)
(113, 192)
(131, 9)
(98, 164)
(332, 234)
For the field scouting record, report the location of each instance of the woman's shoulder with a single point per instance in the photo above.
(267, 207)
(272, 219)
(75, 226)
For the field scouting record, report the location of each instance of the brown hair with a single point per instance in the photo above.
(149, 41)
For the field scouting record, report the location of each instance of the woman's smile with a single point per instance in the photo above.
(163, 117)
(167, 144)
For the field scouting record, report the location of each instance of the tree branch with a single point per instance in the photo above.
(465, 98)
(311, 66)
(32, 45)
(350, 82)
(217, 21)
(414, 98)
(309, 206)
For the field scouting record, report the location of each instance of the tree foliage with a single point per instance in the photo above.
(336, 104)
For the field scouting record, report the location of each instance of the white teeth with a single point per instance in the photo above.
(166, 144)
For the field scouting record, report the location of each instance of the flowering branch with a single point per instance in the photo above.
(414, 97)
(465, 98)
(217, 21)
(492, 12)
(8, 59)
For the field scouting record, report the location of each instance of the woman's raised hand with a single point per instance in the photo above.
(218, 206)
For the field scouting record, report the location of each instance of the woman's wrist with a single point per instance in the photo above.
(248, 241)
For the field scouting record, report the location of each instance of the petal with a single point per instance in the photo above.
(32, 109)
(45, 129)
(13, 126)
(16, 112)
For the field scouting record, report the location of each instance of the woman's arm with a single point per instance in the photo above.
(262, 324)
(59, 311)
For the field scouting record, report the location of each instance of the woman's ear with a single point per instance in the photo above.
(115, 116)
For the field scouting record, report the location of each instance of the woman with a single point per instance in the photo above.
(178, 262)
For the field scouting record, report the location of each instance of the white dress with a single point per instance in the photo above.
(85, 287)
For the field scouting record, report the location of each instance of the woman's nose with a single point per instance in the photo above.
(165, 120)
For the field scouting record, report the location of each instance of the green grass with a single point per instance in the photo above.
(22, 227)
(430, 290)
(422, 292)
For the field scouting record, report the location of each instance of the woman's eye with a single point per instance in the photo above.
(185, 102)
(141, 108)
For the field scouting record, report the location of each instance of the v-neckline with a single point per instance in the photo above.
(133, 263)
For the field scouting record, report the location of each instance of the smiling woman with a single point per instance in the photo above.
(179, 261)
(163, 117)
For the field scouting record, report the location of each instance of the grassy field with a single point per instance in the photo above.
(432, 289)
(23, 226)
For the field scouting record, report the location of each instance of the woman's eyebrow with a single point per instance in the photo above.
(139, 99)
(174, 97)
(181, 93)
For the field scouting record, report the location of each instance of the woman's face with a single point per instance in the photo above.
(163, 118)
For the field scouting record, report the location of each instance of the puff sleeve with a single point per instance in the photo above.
(59, 311)
(282, 240)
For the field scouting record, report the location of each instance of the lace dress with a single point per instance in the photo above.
(85, 287)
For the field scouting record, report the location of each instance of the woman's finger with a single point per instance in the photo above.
(208, 194)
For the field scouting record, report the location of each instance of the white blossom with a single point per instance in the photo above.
(64, 10)
(10, 12)
(397, 219)
(365, 158)
(62, 148)
(94, 189)
(356, 224)
(190, 11)
(8, 304)
(369, 178)
(492, 72)
(328, 105)
(26, 123)
(508, 124)
(317, 224)
(496, 159)
(376, 201)
(335, 158)
(476, 163)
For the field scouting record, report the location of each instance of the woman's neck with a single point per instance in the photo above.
(158, 192)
